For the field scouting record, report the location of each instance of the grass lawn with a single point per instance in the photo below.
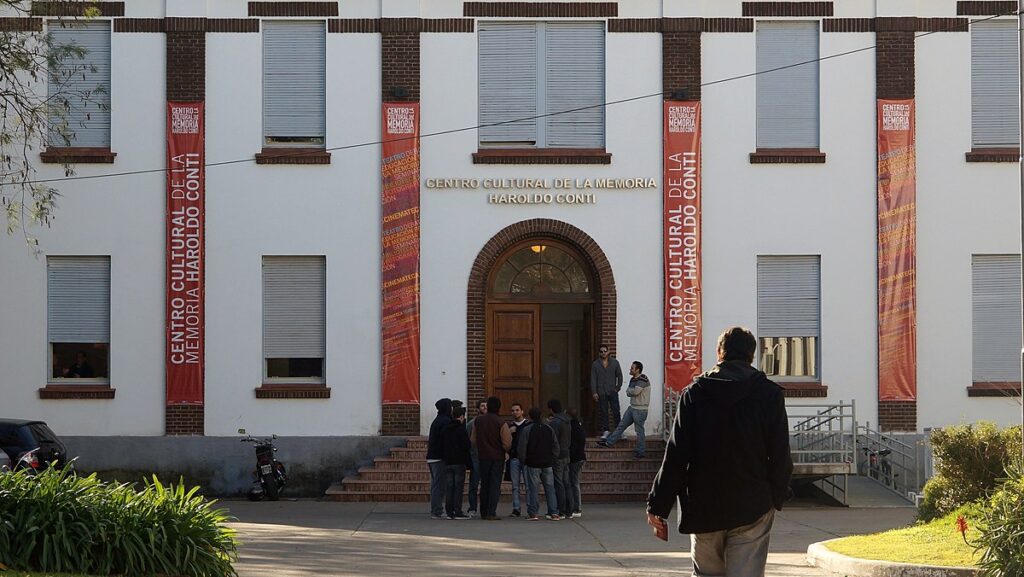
(933, 543)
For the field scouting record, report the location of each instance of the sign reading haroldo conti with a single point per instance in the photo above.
(532, 190)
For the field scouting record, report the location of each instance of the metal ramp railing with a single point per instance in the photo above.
(888, 461)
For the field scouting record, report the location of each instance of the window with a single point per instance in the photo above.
(78, 318)
(78, 89)
(789, 315)
(787, 100)
(996, 311)
(532, 69)
(541, 269)
(294, 83)
(994, 79)
(294, 318)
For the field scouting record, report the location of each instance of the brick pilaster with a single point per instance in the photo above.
(680, 63)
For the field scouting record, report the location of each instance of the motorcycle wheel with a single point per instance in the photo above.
(270, 486)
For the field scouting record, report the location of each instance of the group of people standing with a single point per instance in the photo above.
(528, 450)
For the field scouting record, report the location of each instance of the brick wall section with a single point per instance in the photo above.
(184, 420)
(476, 293)
(540, 9)
(186, 66)
(400, 420)
(848, 25)
(66, 8)
(981, 8)
(307, 9)
(787, 9)
(400, 59)
(680, 63)
(897, 416)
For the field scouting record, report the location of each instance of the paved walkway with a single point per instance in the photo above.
(301, 538)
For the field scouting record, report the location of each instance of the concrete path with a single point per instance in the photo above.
(301, 538)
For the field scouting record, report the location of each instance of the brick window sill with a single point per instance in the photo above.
(1008, 389)
(787, 156)
(542, 156)
(270, 155)
(296, 391)
(993, 155)
(803, 389)
(76, 392)
(77, 155)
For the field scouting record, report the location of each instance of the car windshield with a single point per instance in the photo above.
(42, 433)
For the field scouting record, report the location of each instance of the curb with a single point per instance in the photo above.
(835, 564)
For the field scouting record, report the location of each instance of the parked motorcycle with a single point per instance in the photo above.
(269, 476)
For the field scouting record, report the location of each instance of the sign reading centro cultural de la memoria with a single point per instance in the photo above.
(541, 190)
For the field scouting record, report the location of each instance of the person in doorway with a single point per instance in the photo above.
(474, 463)
(560, 424)
(577, 459)
(515, 465)
(81, 369)
(435, 457)
(456, 461)
(492, 440)
(727, 463)
(538, 449)
(639, 393)
(605, 384)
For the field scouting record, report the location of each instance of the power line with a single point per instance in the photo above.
(479, 126)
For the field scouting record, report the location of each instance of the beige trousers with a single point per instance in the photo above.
(739, 552)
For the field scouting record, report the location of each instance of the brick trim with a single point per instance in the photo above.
(542, 156)
(981, 8)
(400, 419)
(943, 24)
(760, 9)
(21, 24)
(299, 391)
(77, 155)
(134, 25)
(634, 25)
(400, 60)
(285, 9)
(894, 61)
(540, 9)
(848, 25)
(680, 63)
(176, 24)
(728, 25)
(353, 25)
(802, 390)
(605, 309)
(447, 25)
(76, 392)
(184, 420)
(787, 156)
(896, 24)
(186, 65)
(993, 155)
(65, 8)
(685, 24)
(1006, 389)
(897, 416)
(270, 155)
(232, 25)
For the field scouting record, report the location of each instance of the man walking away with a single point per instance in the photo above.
(435, 457)
(456, 460)
(639, 393)
(492, 440)
(538, 449)
(577, 459)
(515, 465)
(474, 457)
(727, 462)
(605, 383)
(563, 432)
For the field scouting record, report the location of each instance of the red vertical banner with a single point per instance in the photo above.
(186, 247)
(897, 251)
(682, 244)
(400, 255)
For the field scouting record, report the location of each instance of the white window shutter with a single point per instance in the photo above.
(995, 109)
(294, 307)
(508, 83)
(83, 82)
(294, 81)
(787, 100)
(78, 299)
(996, 309)
(574, 78)
(788, 296)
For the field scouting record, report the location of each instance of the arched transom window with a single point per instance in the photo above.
(540, 269)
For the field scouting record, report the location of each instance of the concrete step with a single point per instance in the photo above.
(652, 442)
(423, 475)
(337, 493)
(649, 463)
(370, 486)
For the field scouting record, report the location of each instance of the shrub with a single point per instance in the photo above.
(56, 521)
(969, 459)
(1002, 528)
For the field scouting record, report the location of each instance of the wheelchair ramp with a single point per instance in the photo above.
(868, 493)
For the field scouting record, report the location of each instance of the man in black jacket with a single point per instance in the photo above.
(538, 448)
(727, 462)
(435, 457)
(456, 461)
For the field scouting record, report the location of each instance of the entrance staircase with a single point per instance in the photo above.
(610, 475)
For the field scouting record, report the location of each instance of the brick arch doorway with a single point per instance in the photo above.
(507, 336)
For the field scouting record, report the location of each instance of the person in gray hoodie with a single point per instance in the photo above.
(561, 424)
(639, 393)
(605, 384)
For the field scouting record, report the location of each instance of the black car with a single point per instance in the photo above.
(20, 436)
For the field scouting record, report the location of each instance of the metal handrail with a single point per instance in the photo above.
(902, 462)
